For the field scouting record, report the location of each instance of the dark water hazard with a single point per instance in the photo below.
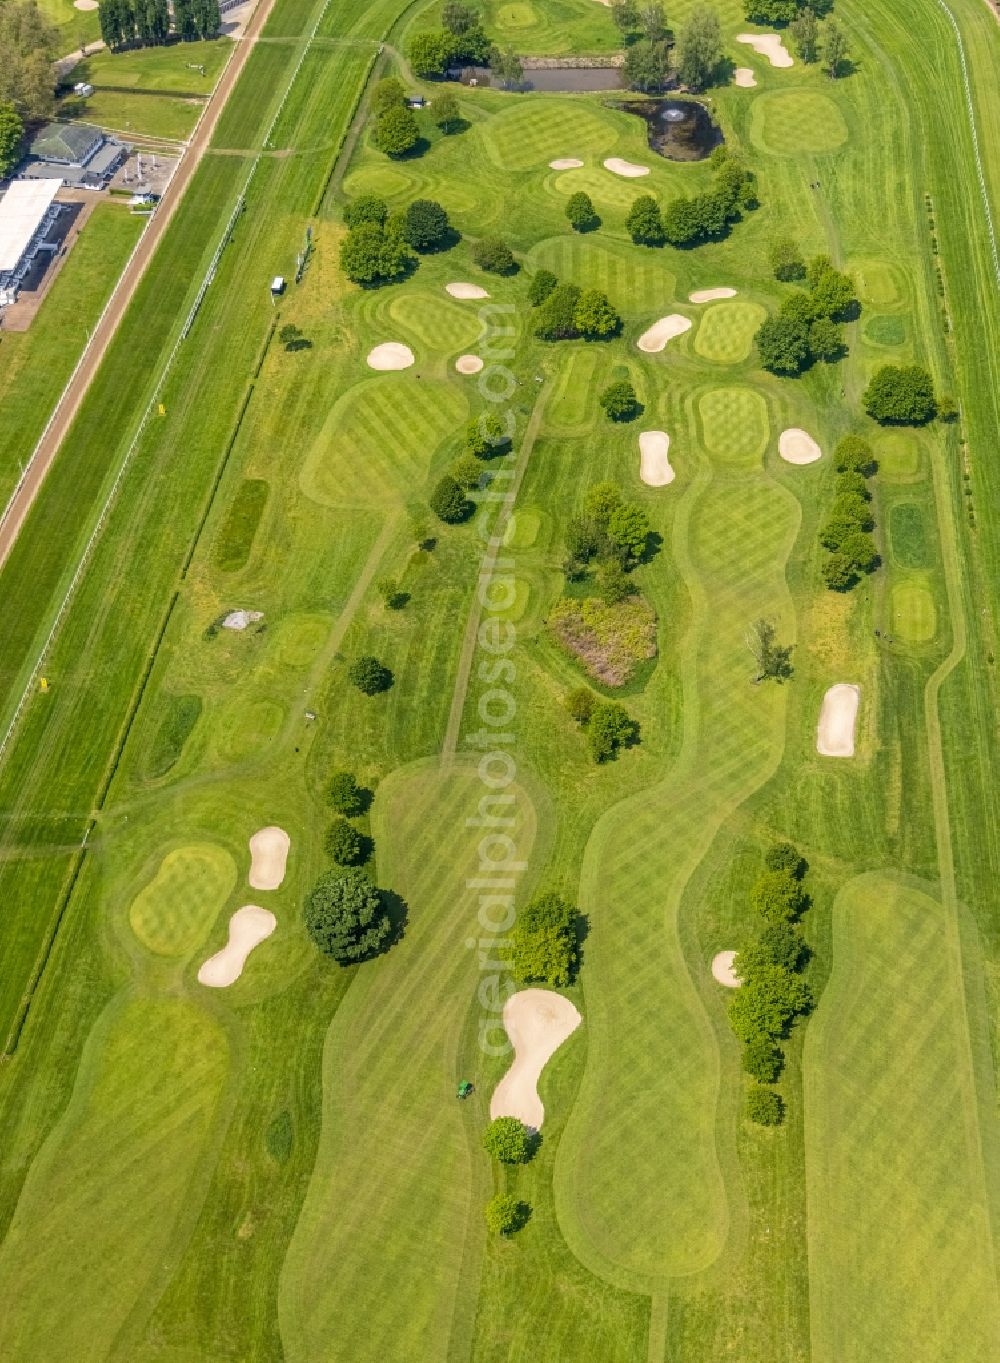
(680, 129)
(556, 80)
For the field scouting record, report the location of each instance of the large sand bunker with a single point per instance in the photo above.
(268, 855)
(798, 447)
(654, 461)
(744, 78)
(663, 331)
(468, 364)
(566, 163)
(248, 927)
(837, 718)
(390, 355)
(627, 168)
(722, 969)
(538, 1021)
(710, 295)
(767, 45)
(465, 291)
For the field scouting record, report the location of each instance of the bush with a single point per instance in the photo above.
(508, 1141)
(505, 1214)
(426, 225)
(594, 317)
(493, 254)
(644, 224)
(614, 582)
(366, 208)
(778, 896)
(580, 704)
(900, 395)
(369, 675)
(786, 260)
(619, 401)
(344, 844)
(947, 409)
(449, 502)
(542, 284)
(544, 941)
(609, 729)
(763, 1060)
(396, 131)
(785, 856)
(580, 212)
(346, 917)
(854, 455)
(765, 1107)
(555, 319)
(346, 796)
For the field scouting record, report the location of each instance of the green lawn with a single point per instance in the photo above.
(280, 1170)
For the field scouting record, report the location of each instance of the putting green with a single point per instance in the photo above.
(632, 282)
(898, 455)
(607, 191)
(377, 441)
(531, 134)
(517, 15)
(788, 124)
(174, 913)
(435, 320)
(727, 330)
(914, 615)
(886, 329)
(246, 728)
(734, 425)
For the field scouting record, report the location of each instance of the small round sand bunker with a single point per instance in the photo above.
(661, 332)
(767, 45)
(538, 1021)
(744, 78)
(627, 168)
(654, 460)
(710, 295)
(837, 719)
(465, 291)
(268, 855)
(248, 927)
(468, 364)
(722, 969)
(390, 355)
(566, 163)
(798, 447)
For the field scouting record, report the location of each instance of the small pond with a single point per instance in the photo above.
(681, 129)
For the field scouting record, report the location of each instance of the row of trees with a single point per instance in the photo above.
(381, 246)
(826, 43)
(146, 23)
(651, 54)
(690, 220)
(485, 437)
(461, 40)
(806, 328)
(566, 312)
(846, 533)
(29, 44)
(11, 135)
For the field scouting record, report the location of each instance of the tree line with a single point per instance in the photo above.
(148, 23)
(690, 220)
(29, 45)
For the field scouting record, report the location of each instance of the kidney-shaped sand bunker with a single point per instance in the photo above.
(538, 1021)
(248, 927)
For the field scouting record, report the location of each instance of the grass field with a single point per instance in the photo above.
(279, 1169)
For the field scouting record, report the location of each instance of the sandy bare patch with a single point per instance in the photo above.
(567, 162)
(663, 331)
(268, 855)
(654, 460)
(465, 291)
(767, 45)
(837, 718)
(538, 1021)
(241, 619)
(798, 447)
(390, 355)
(710, 295)
(744, 78)
(85, 4)
(627, 168)
(248, 927)
(722, 969)
(468, 364)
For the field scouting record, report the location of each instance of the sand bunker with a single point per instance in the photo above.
(798, 447)
(568, 162)
(722, 969)
(468, 364)
(837, 718)
(390, 355)
(710, 295)
(744, 78)
(654, 463)
(465, 291)
(248, 927)
(268, 855)
(85, 4)
(663, 331)
(767, 45)
(538, 1021)
(627, 168)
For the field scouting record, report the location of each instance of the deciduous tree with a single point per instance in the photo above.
(346, 916)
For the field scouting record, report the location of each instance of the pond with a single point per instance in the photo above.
(680, 129)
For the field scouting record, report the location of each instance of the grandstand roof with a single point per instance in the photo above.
(71, 143)
(22, 209)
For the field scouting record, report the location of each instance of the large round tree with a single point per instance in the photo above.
(346, 916)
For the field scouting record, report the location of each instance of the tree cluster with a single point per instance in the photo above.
(460, 40)
(11, 133)
(783, 11)
(812, 41)
(381, 246)
(544, 942)
(773, 659)
(147, 23)
(846, 532)
(485, 436)
(610, 532)
(690, 220)
(807, 325)
(901, 395)
(698, 50)
(567, 312)
(772, 992)
(345, 844)
(608, 725)
(29, 45)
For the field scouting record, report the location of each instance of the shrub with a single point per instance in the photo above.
(505, 1214)
(449, 502)
(602, 500)
(854, 455)
(555, 319)
(392, 598)
(778, 896)
(544, 941)
(763, 1060)
(765, 1107)
(786, 260)
(644, 224)
(580, 704)
(366, 208)
(346, 795)
(369, 675)
(609, 640)
(785, 856)
(346, 916)
(508, 1141)
(900, 395)
(426, 225)
(619, 401)
(947, 409)
(580, 212)
(344, 844)
(614, 582)
(396, 131)
(610, 729)
(542, 284)
(493, 254)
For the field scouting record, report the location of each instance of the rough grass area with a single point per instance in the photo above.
(609, 640)
(232, 548)
(175, 728)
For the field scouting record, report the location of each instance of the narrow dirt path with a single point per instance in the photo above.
(71, 399)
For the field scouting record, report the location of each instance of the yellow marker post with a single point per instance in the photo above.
(43, 683)
(162, 410)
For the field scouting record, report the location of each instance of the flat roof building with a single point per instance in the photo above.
(67, 144)
(27, 212)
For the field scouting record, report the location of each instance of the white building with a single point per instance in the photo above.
(27, 214)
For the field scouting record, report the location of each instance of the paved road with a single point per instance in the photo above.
(76, 390)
